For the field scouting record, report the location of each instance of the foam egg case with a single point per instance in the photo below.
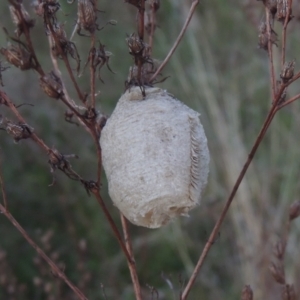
(155, 156)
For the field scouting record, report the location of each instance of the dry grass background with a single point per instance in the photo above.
(219, 71)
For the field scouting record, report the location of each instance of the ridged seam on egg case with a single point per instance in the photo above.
(195, 157)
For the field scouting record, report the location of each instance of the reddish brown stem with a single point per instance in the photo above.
(131, 264)
(289, 101)
(92, 71)
(270, 52)
(3, 189)
(55, 269)
(178, 40)
(286, 21)
(66, 61)
(141, 20)
(218, 224)
(38, 67)
(113, 225)
(152, 22)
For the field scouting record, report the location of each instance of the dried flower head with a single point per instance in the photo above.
(294, 210)
(18, 131)
(99, 57)
(135, 44)
(60, 45)
(87, 16)
(21, 18)
(247, 293)
(277, 271)
(46, 8)
(287, 72)
(18, 56)
(52, 85)
(282, 11)
(263, 36)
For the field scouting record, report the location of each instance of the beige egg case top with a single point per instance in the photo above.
(155, 157)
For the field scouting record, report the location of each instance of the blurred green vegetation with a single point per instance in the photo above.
(219, 71)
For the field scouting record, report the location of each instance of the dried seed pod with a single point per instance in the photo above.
(294, 210)
(87, 15)
(20, 22)
(263, 37)
(155, 156)
(18, 131)
(277, 271)
(52, 85)
(282, 10)
(287, 72)
(18, 56)
(247, 293)
(135, 44)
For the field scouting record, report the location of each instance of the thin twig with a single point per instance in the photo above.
(218, 224)
(153, 24)
(92, 70)
(131, 264)
(55, 269)
(38, 67)
(289, 101)
(5, 202)
(113, 225)
(286, 21)
(66, 61)
(270, 52)
(178, 40)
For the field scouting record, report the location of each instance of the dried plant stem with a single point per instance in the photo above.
(3, 189)
(152, 30)
(289, 101)
(55, 269)
(92, 70)
(141, 20)
(113, 225)
(229, 200)
(178, 40)
(131, 264)
(286, 21)
(270, 52)
(66, 61)
(38, 67)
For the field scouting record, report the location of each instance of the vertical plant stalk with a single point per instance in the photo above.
(92, 70)
(55, 269)
(178, 40)
(131, 264)
(286, 21)
(228, 202)
(270, 52)
(152, 22)
(5, 202)
(276, 106)
(141, 31)
(113, 226)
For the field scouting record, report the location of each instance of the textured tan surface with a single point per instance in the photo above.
(155, 157)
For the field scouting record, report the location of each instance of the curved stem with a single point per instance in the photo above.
(131, 264)
(218, 224)
(178, 40)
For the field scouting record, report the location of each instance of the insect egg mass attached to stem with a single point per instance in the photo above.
(155, 156)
